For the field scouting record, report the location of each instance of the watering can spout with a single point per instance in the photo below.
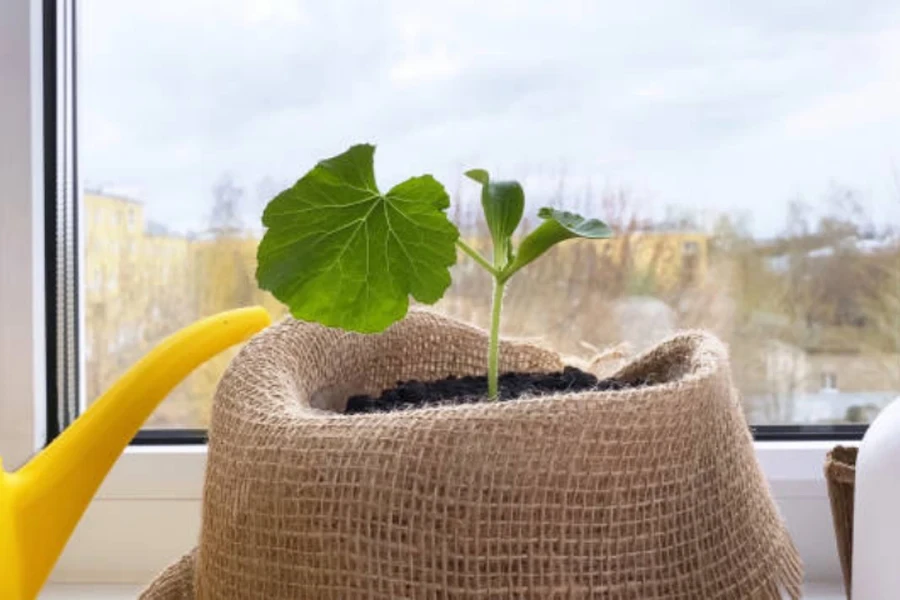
(42, 502)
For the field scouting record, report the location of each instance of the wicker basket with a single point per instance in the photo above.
(840, 472)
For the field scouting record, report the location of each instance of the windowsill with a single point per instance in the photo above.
(89, 591)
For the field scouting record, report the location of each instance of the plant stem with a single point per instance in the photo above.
(473, 253)
(494, 344)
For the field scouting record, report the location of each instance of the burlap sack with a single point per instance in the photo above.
(646, 493)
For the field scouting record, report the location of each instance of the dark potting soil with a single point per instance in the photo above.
(468, 390)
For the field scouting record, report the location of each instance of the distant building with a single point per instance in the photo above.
(119, 247)
(141, 282)
(810, 386)
(133, 285)
(671, 257)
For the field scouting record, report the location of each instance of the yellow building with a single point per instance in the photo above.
(668, 258)
(113, 231)
(133, 286)
(141, 285)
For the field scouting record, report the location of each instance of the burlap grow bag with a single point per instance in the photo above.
(646, 493)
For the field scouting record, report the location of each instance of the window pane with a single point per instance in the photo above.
(743, 155)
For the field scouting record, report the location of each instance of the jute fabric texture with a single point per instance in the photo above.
(651, 492)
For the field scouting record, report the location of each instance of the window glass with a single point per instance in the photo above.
(745, 154)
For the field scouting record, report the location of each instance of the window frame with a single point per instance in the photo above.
(159, 478)
(27, 375)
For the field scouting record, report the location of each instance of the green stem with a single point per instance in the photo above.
(472, 252)
(494, 344)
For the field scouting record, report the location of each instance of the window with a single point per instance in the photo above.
(112, 283)
(647, 119)
(96, 279)
(829, 381)
(768, 106)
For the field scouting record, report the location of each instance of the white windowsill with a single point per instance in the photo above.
(91, 591)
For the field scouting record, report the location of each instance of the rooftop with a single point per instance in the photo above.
(103, 193)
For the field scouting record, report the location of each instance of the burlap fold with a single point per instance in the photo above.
(646, 493)
(176, 582)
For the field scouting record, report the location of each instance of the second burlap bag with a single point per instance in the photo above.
(649, 493)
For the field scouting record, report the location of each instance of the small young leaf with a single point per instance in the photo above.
(339, 252)
(557, 227)
(479, 175)
(503, 203)
(579, 226)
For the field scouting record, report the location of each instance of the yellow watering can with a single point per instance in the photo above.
(41, 503)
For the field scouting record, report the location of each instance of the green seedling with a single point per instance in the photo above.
(340, 252)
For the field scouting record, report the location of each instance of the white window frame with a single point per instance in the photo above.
(22, 334)
(147, 512)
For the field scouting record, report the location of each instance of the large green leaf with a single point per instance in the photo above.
(558, 226)
(339, 252)
(503, 203)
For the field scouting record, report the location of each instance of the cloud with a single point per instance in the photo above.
(711, 104)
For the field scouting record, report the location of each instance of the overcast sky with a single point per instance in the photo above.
(713, 105)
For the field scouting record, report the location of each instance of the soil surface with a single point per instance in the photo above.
(468, 390)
